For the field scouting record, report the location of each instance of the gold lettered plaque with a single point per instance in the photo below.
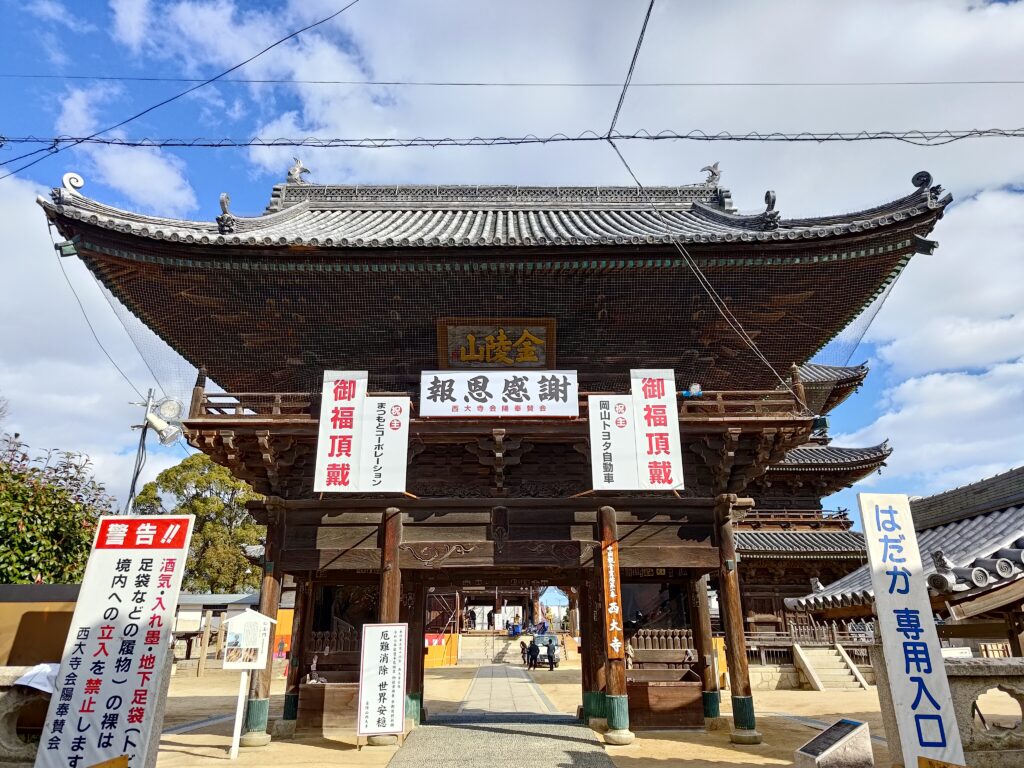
(496, 342)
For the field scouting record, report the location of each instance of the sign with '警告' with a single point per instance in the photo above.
(106, 700)
(499, 394)
(382, 679)
(913, 656)
(363, 441)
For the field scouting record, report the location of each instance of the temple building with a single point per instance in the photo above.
(400, 280)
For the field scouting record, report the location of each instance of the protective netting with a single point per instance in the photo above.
(272, 322)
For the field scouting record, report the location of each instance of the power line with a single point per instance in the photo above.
(916, 137)
(181, 94)
(632, 66)
(523, 83)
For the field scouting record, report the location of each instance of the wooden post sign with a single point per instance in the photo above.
(913, 657)
(613, 619)
(107, 701)
(382, 680)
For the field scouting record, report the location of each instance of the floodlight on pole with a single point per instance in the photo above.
(164, 417)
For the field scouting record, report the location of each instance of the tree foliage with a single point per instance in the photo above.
(48, 511)
(223, 526)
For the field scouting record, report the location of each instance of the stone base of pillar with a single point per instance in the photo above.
(744, 736)
(716, 723)
(383, 740)
(414, 707)
(619, 738)
(257, 713)
(283, 729)
(712, 704)
(597, 724)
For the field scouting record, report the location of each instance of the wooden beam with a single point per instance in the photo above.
(1011, 594)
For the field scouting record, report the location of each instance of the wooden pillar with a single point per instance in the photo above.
(258, 710)
(389, 601)
(616, 700)
(798, 385)
(301, 616)
(1015, 633)
(744, 731)
(415, 615)
(221, 631)
(591, 694)
(700, 623)
(204, 643)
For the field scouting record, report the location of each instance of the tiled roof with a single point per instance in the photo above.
(832, 457)
(429, 216)
(973, 547)
(994, 492)
(800, 544)
(816, 373)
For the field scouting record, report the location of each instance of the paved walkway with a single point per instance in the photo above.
(504, 715)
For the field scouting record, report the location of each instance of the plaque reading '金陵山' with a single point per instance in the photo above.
(496, 342)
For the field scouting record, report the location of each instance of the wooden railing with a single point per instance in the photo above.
(796, 515)
(303, 405)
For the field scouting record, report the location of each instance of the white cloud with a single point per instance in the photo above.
(131, 22)
(950, 428)
(149, 178)
(58, 13)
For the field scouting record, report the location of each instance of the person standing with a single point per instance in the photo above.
(551, 654)
(472, 619)
(533, 652)
(523, 651)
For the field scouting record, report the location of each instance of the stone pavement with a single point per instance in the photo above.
(504, 717)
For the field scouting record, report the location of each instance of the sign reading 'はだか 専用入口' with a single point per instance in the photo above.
(913, 657)
(106, 702)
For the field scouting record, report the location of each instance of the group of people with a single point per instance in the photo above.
(470, 619)
(531, 654)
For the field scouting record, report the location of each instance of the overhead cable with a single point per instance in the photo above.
(917, 137)
(56, 149)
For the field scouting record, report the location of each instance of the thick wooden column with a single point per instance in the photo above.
(303, 609)
(589, 707)
(416, 608)
(744, 723)
(700, 623)
(1015, 632)
(616, 700)
(389, 601)
(257, 711)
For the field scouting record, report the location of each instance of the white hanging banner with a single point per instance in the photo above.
(107, 698)
(382, 679)
(913, 656)
(385, 444)
(338, 450)
(612, 442)
(658, 447)
(499, 394)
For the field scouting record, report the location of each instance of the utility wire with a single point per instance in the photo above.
(632, 66)
(187, 91)
(521, 84)
(702, 279)
(917, 137)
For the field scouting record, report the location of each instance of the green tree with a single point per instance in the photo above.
(48, 511)
(223, 526)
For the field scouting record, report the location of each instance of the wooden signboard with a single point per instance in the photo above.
(496, 342)
(931, 762)
(613, 619)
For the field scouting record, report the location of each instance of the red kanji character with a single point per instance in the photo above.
(661, 472)
(656, 415)
(135, 714)
(163, 580)
(152, 637)
(147, 661)
(344, 389)
(87, 705)
(141, 696)
(657, 443)
(106, 632)
(342, 418)
(338, 474)
(341, 445)
(168, 565)
(653, 389)
(92, 685)
(102, 649)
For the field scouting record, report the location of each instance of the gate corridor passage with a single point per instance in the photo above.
(503, 717)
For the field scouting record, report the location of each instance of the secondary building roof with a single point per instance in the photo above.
(801, 545)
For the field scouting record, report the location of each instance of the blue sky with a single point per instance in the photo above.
(946, 352)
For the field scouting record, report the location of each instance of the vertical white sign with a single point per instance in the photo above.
(612, 442)
(248, 640)
(106, 701)
(382, 679)
(385, 444)
(913, 657)
(338, 451)
(658, 447)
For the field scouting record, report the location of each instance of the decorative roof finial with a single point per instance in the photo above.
(942, 563)
(771, 216)
(922, 179)
(71, 182)
(713, 174)
(296, 172)
(816, 585)
(226, 221)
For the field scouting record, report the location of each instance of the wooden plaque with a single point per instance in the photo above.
(508, 343)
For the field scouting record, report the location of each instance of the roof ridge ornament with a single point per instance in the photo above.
(226, 221)
(923, 181)
(771, 216)
(71, 182)
(713, 174)
(296, 172)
